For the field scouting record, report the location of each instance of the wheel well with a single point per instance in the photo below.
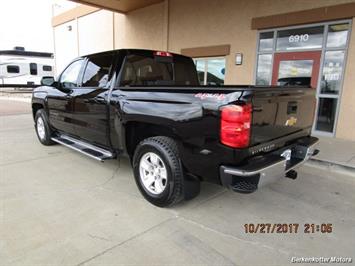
(35, 108)
(138, 131)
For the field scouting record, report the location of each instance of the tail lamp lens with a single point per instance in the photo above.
(235, 125)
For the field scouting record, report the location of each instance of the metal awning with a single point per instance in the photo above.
(121, 6)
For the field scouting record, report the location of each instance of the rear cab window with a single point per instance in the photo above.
(158, 69)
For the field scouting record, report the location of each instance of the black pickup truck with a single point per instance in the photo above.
(149, 106)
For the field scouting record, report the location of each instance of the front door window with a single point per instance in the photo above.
(69, 77)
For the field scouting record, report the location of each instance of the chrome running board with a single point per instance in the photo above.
(85, 148)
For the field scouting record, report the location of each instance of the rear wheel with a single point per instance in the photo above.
(42, 128)
(158, 171)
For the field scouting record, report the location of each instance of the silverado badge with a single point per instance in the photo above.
(291, 121)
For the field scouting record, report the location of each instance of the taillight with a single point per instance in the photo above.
(235, 125)
(160, 53)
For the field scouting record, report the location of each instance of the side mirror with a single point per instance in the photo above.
(47, 81)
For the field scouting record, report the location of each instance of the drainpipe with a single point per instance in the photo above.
(165, 38)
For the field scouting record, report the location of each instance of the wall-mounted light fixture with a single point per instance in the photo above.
(238, 59)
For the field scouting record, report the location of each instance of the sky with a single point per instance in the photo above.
(26, 23)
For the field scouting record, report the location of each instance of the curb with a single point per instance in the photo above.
(332, 167)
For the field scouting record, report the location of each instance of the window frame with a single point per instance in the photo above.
(323, 50)
(110, 73)
(80, 75)
(126, 62)
(44, 66)
(33, 69)
(16, 66)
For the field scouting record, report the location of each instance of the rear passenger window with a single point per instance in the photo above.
(97, 71)
(142, 70)
(150, 70)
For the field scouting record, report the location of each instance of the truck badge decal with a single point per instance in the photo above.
(291, 121)
(216, 96)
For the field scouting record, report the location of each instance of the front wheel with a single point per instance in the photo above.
(42, 128)
(158, 171)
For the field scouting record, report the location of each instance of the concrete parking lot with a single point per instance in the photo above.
(61, 208)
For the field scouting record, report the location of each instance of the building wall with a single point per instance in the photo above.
(93, 39)
(88, 34)
(66, 44)
(142, 28)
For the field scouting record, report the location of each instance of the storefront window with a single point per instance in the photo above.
(332, 72)
(263, 74)
(337, 35)
(211, 71)
(303, 38)
(215, 71)
(200, 67)
(326, 114)
(266, 41)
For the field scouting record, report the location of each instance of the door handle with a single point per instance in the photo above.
(100, 100)
(95, 100)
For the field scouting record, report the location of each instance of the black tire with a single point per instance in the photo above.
(46, 138)
(166, 149)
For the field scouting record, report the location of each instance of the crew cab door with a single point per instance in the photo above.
(90, 113)
(60, 100)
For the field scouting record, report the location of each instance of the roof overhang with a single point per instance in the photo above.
(121, 6)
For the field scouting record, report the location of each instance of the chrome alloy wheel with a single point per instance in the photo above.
(40, 128)
(153, 173)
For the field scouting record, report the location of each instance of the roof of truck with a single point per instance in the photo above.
(131, 50)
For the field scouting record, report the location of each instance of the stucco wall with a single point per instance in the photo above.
(143, 28)
(95, 32)
(66, 44)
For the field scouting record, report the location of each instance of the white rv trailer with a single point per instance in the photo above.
(20, 68)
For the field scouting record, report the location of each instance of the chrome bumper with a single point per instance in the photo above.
(270, 168)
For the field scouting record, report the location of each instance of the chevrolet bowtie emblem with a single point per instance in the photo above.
(291, 121)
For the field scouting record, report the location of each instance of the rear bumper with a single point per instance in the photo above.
(261, 171)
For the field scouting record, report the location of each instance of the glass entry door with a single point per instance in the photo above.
(296, 68)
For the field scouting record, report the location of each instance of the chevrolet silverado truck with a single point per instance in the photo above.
(149, 106)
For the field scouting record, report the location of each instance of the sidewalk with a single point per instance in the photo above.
(336, 152)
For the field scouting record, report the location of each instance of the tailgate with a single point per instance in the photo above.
(280, 112)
